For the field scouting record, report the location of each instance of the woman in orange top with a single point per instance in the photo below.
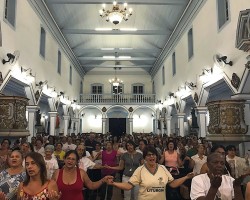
(170, 157)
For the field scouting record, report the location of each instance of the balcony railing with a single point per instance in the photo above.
(117, 98)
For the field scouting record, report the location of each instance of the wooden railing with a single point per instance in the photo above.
(117, 98)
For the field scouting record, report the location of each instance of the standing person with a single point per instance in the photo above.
(109, 157)
(5, 148)
(36, 186)
(70, 179)
(219, 149)
(198, 160)
(130, 161)
(142, 144)
(39, 146)
(215, 185)
(151, 178)
(59, 154)
(69, 145)
(236, 163)
(10, 178)
(50, 161)
(90, 143)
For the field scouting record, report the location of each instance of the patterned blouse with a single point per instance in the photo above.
(43, 195)
(9, 183)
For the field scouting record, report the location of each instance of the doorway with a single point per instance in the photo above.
(117, 126)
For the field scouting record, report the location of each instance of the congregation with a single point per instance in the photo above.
(143, 166)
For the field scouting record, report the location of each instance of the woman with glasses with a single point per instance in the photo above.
(70, 179)
(151, 178)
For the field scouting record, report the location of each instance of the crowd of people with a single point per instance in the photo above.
(143, 166)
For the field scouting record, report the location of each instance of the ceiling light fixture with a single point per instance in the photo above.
(116, 15)
(109, 57)
(124, 57)
(115, 81)
(128, 29)
(107, 49)
(103, 29)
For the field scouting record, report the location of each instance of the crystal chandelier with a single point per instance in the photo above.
(115, 81)
(116, 15)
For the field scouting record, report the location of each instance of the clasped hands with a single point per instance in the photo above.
(108, 179)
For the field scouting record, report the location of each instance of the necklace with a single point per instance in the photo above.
(131, 155)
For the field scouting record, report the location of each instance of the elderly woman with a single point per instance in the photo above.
(36, 185)
(10, 178)
(151, 178)
(50, 161)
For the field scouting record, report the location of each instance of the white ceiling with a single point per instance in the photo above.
(155, 20)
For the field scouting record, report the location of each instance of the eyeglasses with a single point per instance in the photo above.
(150, 154)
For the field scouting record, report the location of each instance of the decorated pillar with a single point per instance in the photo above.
(180, 120)
(162, 125)
(66, 124)
(52, 119)
(32, 120)
(104, 120)
(168, 125)
(130, 126)
(202, 120)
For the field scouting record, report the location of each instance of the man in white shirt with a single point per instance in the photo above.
(215, 185)
(198, 160)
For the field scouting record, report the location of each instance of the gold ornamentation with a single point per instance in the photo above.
(227, 117)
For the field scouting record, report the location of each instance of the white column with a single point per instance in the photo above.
(180, 120)
(66, 124)
(32, 120)
(52, 119)
(130, 126)
(202, 120)
(74, 125)
(162, 125)
(168, 125)
(104, 125)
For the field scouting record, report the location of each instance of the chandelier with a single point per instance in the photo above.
(116, 15)
(115, 81)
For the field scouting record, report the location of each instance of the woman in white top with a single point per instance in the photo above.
(198, 160)
(50, 161)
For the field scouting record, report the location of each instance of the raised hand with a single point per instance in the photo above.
(215, 181)
(190, 175)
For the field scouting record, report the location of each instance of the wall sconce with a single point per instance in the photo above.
(12, 58)
(206, 75)
(171, 94)
(224, 60)
(41, 83)
(61, 94)
(190, 85)
(29, 77)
